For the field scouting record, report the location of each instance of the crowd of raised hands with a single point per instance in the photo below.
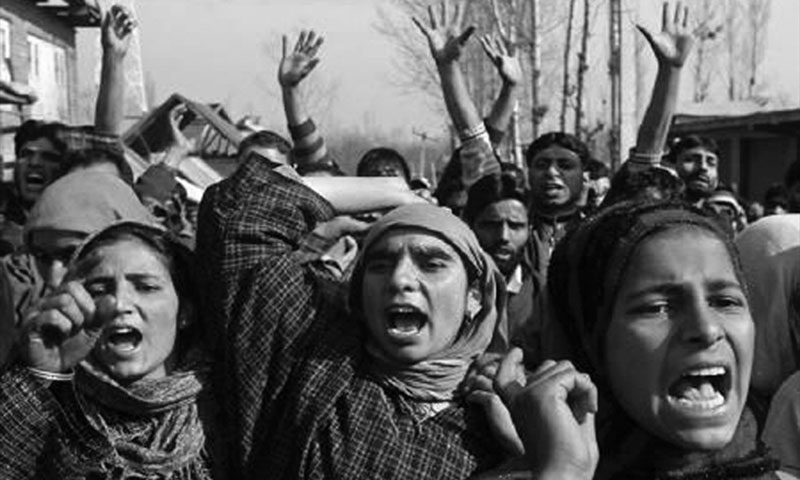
(359, 380)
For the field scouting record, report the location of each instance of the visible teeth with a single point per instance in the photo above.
(693, 401)
(402, 310)
(705, 372)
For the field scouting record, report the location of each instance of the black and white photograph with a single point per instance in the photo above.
(399, 239)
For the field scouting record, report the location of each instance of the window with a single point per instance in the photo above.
(47, 75)
(5, 38)
(5, 50)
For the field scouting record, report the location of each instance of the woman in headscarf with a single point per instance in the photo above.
(653, 297)
(112, 379)
(370, 391)
(68, 210)
(770, 250)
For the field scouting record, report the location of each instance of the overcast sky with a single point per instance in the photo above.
(227, 51)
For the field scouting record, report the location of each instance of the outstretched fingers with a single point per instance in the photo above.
(301, 40)
(677, 14)
(489, 48)
(421, 26)
(432, 18)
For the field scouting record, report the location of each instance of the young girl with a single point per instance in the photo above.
(653, 298)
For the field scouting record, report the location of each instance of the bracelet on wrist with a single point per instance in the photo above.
(468, 134)
(51, 376)
(645, 158)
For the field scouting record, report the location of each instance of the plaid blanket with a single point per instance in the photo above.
(299, 401)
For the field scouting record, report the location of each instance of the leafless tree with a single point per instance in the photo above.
(566, 88)
(757, 18)
(583, 66)
(707, 33)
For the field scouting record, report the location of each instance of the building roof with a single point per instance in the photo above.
(16, 93)
(774, 122)
(76, 13)
(215, 137)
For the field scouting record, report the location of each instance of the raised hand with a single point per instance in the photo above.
(479, 387)
(554, 416)
(61, 330)
(445, 37)
(504, 59)
(117, 30)
(673, 43)
(297, 64)
(179, 140)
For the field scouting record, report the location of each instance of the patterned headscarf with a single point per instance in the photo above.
(153, 425)
(437, 378)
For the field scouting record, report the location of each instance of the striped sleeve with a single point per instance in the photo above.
(309, 146)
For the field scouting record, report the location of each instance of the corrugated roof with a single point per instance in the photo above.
(76, 13)
(777, 122)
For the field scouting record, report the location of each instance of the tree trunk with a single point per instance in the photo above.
(565, 88)
(583, 66)
(536, 70)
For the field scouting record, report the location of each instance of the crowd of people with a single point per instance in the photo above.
(557, 321)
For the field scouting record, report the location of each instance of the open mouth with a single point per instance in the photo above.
(405, 320)
(123, 339)
(701, 388)
(34, 180)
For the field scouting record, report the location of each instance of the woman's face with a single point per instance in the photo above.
(680, 342)
(414, 294)
(138, 305)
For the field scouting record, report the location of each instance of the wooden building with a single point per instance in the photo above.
(755, 149)
(38, 68)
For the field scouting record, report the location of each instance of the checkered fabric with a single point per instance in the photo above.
(299, 401)
(44, 434)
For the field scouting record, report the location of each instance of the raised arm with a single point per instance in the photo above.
(446, 41)
(507, 63)
(118, 25)
(266, 300)
(309, 146)
(671, 47)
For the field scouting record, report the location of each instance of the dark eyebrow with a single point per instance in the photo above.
(666, 289)
(673, 289)
(724, 284)
(431, 251)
